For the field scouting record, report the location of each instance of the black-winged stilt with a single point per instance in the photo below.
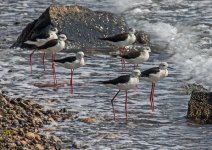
(72, 62)
(40, 40)
(53, 47)
(122, 40)
(124, 82)
(137, 56)
(154, 75)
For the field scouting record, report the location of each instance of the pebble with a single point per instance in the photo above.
(109, 136)
(89, 120)
(39, 147)
(30, 135)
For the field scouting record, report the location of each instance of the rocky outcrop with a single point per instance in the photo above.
(200, 107)
(81, 25)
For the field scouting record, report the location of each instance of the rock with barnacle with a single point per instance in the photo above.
(80, 24)
(200, 107)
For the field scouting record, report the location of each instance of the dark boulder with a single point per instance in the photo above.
(200, 107)
(143, 38)
(80, 24)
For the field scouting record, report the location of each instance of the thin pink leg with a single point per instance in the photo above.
(153, 93)
(44, 67)
(53, 67)
(30, 60)
(122, 60)
(123, 50)
(126, 108)
(71, 82)
(55, 76)
(124, 65)
(114, 115)
(150, 99)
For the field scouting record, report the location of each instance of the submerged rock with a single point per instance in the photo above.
(82, 26)
(89, 120)
(200, 107)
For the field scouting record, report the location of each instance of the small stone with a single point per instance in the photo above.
(21, 131)
(3, 100)
(50, 119)
(24, 143)
(12, 145)
(50, 129)
(37, 137)
(18, 143)
(56, 139)
(76, 145)
(109, 136)
(37, 120)
(30, 135)
(19, 99)
(89, 120)
(1, 139)
(39, 147)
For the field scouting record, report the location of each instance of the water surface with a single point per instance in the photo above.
(181, 30)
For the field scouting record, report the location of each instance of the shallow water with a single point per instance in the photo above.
(181, 30)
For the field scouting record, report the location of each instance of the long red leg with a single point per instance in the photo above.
(55, 76)
(126, 108)
(153, 93)
(71, 81)
(53, 67)
(124, 65)
(122, 60)
(114, 115)
(150, 98)
(44, 67)
(30, 60)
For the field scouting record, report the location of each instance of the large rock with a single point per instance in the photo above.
(80, 24)
(200, 107)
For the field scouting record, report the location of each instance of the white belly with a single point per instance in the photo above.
(128, 41)
(55, 49)
(126, 86)
(156, 77)
(74, 65)
(139, 60)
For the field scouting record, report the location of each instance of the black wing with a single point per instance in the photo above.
(40, 36)
(131, 55)
(116, 38)
(147, 72)
(66, 59)
(48, 44)
(120, 79)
